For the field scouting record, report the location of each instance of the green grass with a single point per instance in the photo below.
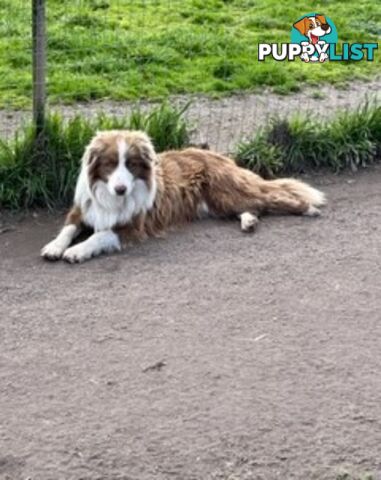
(350, 140)
(41, 170)
(347, 476)
(128, 49)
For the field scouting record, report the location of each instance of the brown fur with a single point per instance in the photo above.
(186, 180)
(103, 157)
(180, 185)
(139, 163)
(74, 217)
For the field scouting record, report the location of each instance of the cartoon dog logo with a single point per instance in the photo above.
(313, 27)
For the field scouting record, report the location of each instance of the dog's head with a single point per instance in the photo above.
(313, 27)
(118, 161)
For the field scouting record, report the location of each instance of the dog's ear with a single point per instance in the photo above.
(141, 152)
(140, 159)
(321, 19)
(93, 150)
(143, 146)
(91, 155)
(301, 25)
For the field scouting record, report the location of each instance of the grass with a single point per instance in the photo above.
(350, 140)
(128, 49)
(347, 476)
(41, 170)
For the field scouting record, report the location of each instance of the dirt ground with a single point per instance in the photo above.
(208, 355)
(224, 122)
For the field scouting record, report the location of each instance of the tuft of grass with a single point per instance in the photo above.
(41, 170)
(347, 476)
(351, 140)
(165, 125)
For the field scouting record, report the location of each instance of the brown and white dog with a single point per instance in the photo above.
(313, 27)
(125, 191)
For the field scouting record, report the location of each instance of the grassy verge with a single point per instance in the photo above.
(42, 171)
(349, 140)
(128, 49)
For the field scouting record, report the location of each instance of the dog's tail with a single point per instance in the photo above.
(294, 196)
(302, 191)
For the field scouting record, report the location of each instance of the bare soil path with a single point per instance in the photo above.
(207, 355)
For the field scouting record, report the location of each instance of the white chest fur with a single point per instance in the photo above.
(103, 211)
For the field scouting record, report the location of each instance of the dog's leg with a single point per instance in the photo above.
(54, 249)
(140, 227)
(100, 242)
(248, 222)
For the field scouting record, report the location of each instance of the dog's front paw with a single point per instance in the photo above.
(76, 254)
(52, 251)
(323, 57)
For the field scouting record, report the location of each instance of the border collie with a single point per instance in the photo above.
(126, 191)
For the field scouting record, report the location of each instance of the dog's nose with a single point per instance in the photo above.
(325, 26)
(120, 189)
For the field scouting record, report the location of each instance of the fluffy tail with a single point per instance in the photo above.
(294, 196)
(302, 191)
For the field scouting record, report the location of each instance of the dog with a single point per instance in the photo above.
(125, 191)
(313, 28)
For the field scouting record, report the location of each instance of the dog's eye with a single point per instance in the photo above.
(134, 164)
(108, 165)
(311, 26)
(130, 162)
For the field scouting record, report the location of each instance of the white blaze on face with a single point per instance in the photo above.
(121, 176)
